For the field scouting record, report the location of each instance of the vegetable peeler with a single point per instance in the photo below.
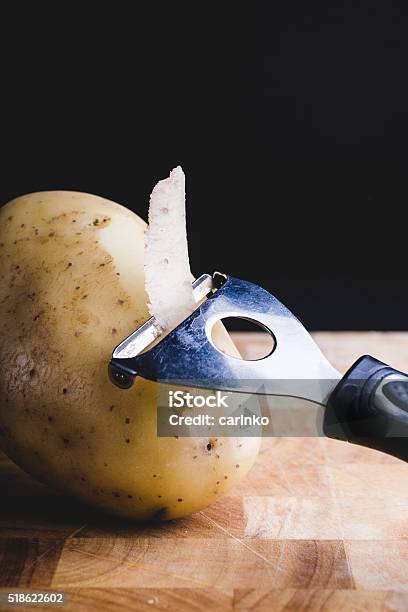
(366, 406)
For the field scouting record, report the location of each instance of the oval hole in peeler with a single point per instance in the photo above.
(259, 348)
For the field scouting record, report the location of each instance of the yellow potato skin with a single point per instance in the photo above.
(72, 287)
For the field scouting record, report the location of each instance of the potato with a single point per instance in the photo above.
(71, 288)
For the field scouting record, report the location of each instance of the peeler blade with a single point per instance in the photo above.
(187, 355)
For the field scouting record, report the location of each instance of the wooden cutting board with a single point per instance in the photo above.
(317, 525)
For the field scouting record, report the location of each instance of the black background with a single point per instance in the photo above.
(289, 119)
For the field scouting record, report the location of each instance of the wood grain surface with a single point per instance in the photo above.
(316, 525)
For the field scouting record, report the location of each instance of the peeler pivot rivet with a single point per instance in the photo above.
(120, 378)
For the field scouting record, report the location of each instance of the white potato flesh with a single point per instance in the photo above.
(167, 271)
(168, 276)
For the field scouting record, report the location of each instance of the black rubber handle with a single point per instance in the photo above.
(369, 407)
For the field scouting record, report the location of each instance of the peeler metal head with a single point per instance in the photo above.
(188, 356)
